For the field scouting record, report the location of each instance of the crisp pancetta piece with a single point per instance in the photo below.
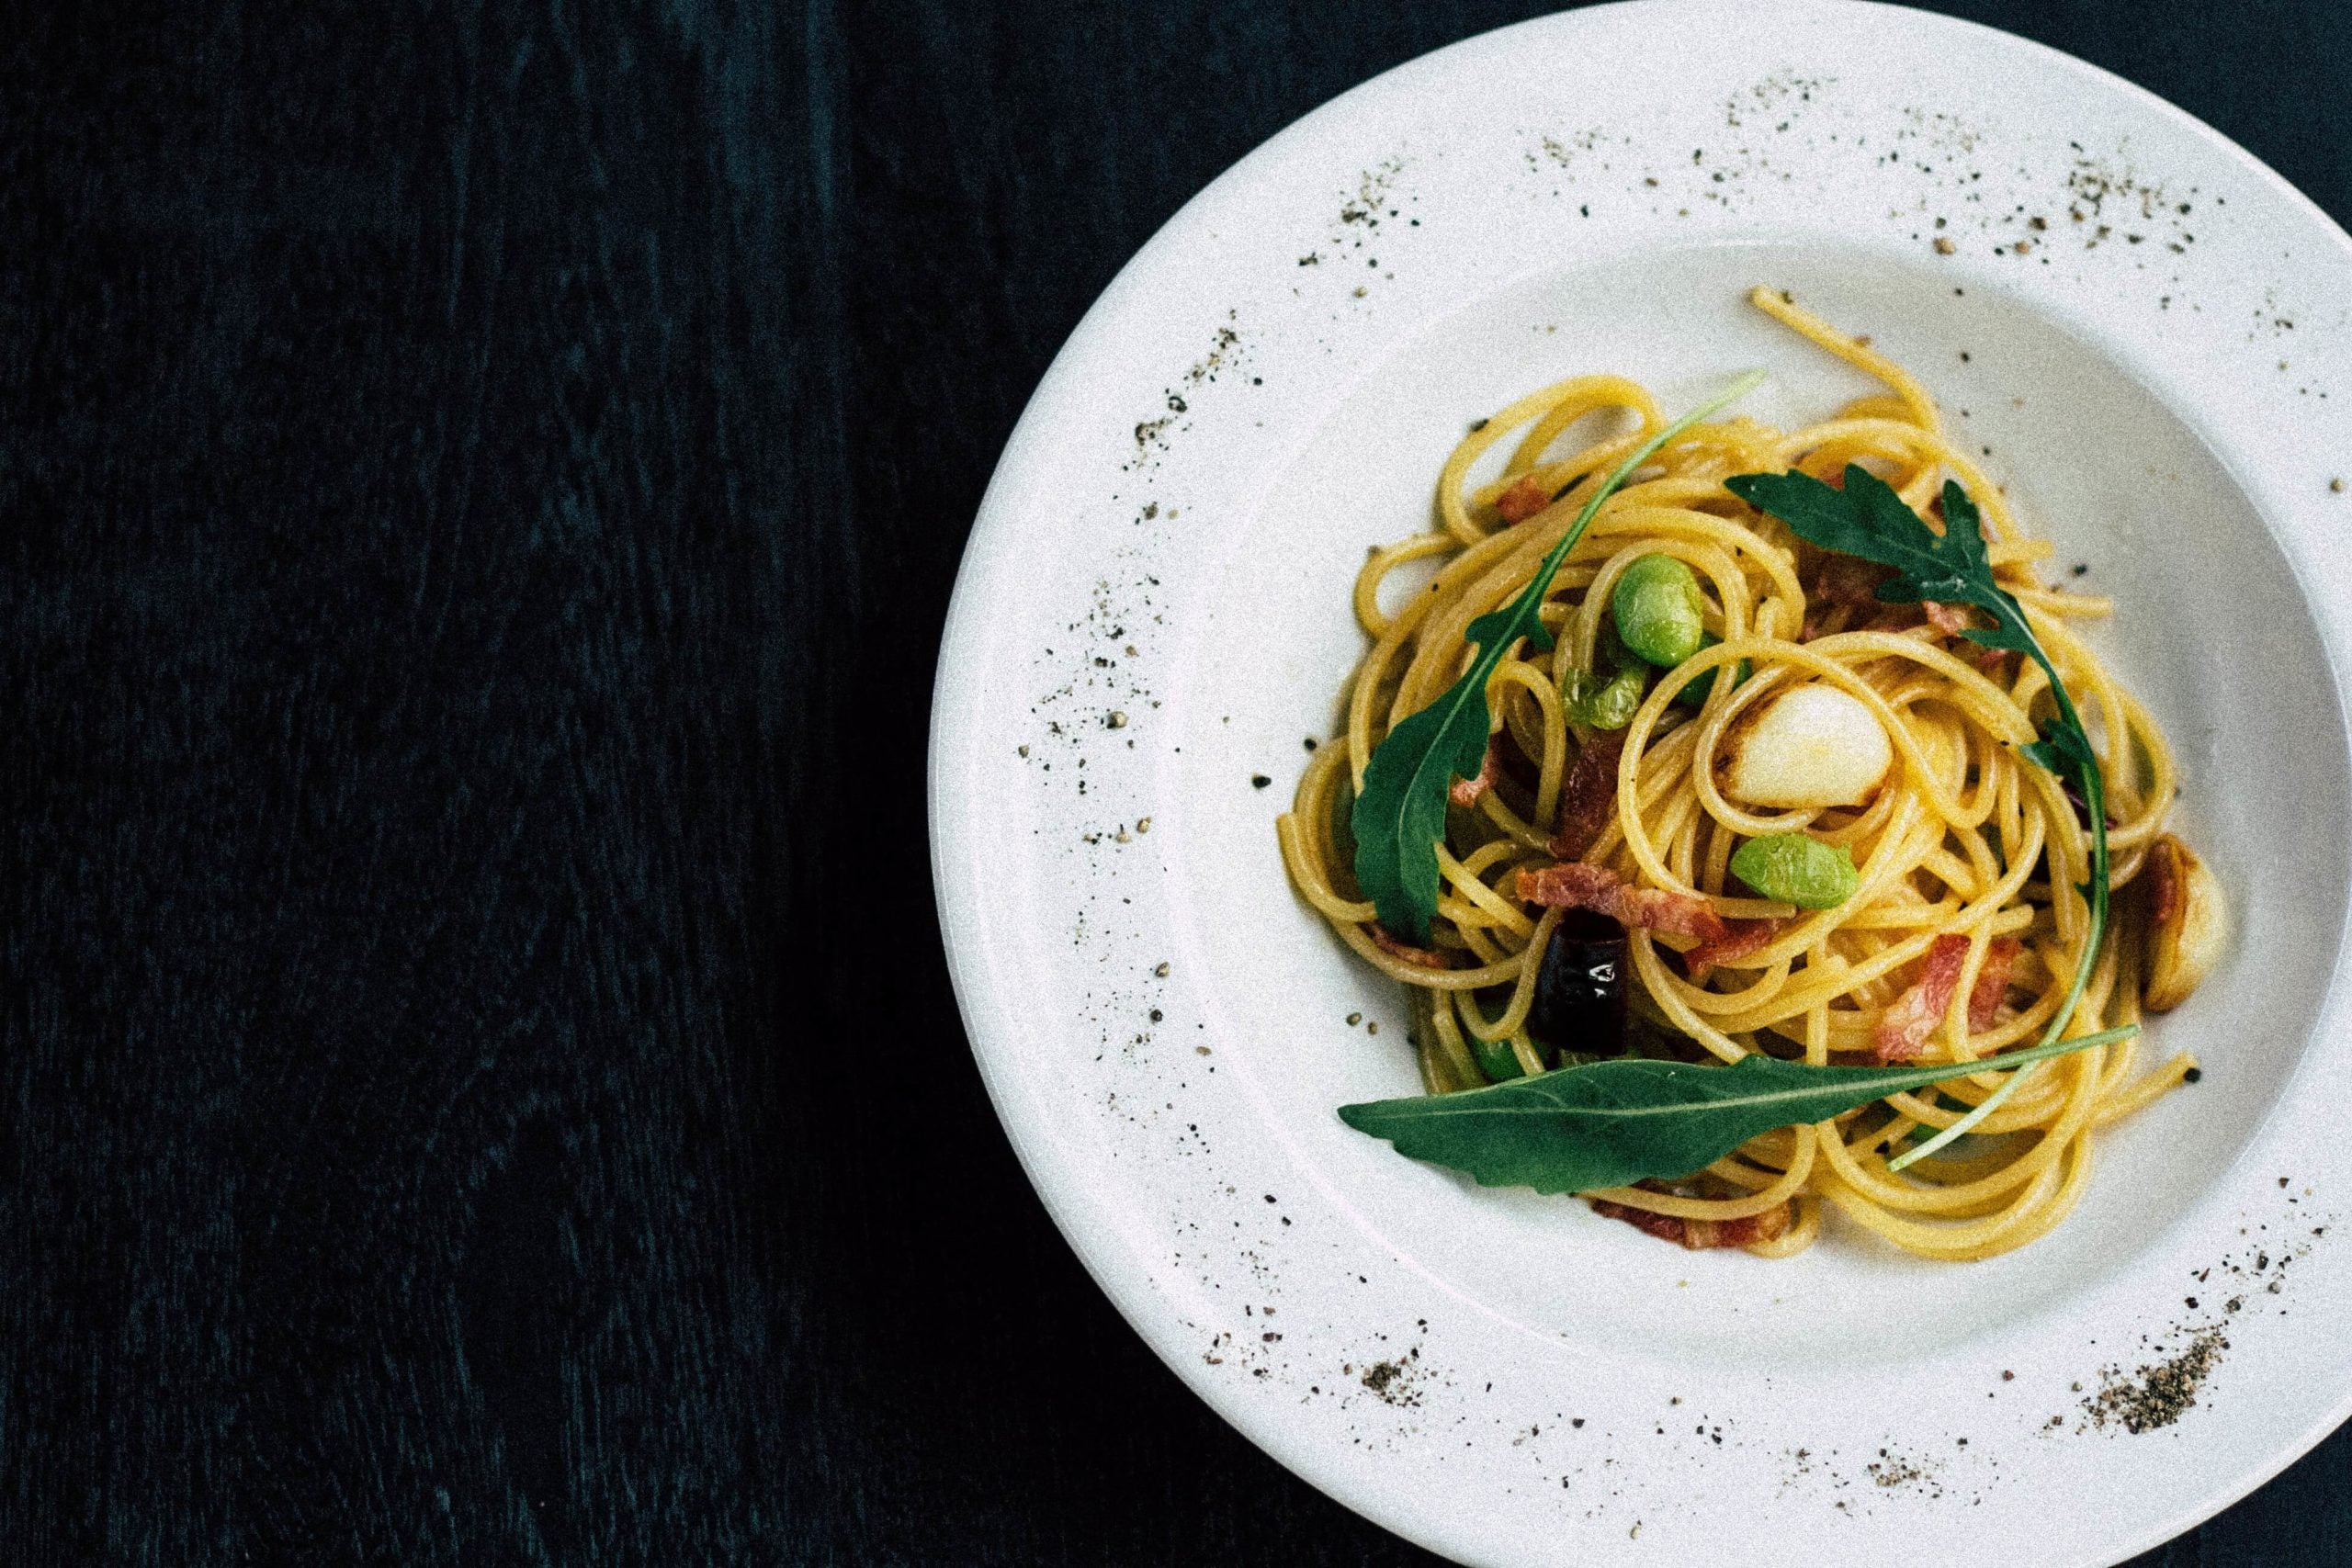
(1847, 580)
(1701, 1235)
(1992, 982)
(1465, 793)
(1589, 794)
(1904, 1027)
(1576, 885)
(1406, 951)
(1523, 500)
(1740, 938)
(1950, 619)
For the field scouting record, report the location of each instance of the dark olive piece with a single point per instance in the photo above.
(1580, 990)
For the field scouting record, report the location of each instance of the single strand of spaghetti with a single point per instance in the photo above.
(1382, 561)
(1770, 1153)
(2063, 604)
(1716, 866)
(1817, 1034)
(1585, 395)
(1850, 349)
(1887, 916)
(1486, 857)
(1999, 553)
(1356, 937)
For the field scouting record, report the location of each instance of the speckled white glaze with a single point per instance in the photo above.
(1152, 615)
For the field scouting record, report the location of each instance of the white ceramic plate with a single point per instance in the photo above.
(2147, 330)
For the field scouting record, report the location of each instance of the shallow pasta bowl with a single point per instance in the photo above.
(2145, 332)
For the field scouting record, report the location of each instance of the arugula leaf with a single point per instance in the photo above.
(1869, 519)
(1399, 814)
(1631, 1118)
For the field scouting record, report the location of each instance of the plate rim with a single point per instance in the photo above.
(980, 994)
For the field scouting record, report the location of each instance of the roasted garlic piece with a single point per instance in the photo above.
(1812, 746)
(2187, 926)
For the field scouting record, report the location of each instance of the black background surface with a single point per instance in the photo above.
(479, 486)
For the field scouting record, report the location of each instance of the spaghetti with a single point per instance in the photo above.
(1966, 925)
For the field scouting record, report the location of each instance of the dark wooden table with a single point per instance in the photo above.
(479, 486)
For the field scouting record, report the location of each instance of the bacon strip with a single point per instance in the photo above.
(1904, 1027)
(1949, 619)
(1420, 956)
(1523, 500)
(1700, 1235)
(1992, 981)
(1589, 794)
(1847, 580)
(1465, 791)
(1576, 885)
(1740, 938)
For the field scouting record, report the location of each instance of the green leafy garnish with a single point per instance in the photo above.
(1869, 519)
(1400, 813)
(1615, 1123)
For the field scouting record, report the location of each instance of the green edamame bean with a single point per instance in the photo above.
(1797, 869)
(1496, 1060)
(1695, 690)
(1659, 610)
(1611, 704)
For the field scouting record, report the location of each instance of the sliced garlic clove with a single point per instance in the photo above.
(2189, 925)
(1814, 746)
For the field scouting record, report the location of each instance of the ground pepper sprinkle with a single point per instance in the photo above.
(2159, 1394)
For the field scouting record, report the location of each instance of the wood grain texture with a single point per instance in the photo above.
(479, 486)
